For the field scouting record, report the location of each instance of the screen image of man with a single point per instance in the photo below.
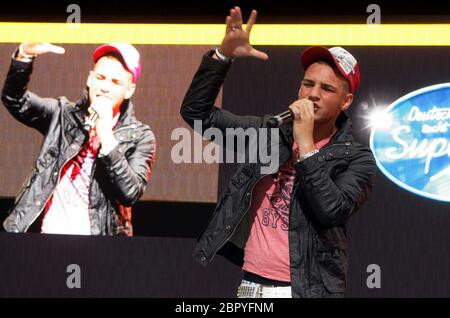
(96, 158)
(287, 229)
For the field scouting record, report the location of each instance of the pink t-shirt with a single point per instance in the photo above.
(266, 252)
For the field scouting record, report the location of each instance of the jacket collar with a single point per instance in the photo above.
(344, 125)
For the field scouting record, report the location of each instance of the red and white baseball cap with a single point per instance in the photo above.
(128, 52)
(344, 61)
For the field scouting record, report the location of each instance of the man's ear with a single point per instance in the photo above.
(130, 91)
(347, 102)
(89, 80)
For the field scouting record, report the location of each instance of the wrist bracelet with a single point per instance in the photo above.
(25, 55)
(307, 155)
(221, 56)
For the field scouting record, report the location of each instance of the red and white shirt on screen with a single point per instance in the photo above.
(67, 211)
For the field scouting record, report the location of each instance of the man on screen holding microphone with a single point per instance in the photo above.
(287, 229)
(96, 158)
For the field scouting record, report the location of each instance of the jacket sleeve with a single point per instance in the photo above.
(130, 173)
(198, 103)
(333, 201)
(26, 107)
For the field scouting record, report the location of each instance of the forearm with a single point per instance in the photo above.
(126, 184)
(26, 107)
(128, 177)
(16, 82)
(334, 199)
(327, 202)
(198, 103)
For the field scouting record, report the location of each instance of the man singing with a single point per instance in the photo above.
(96, 157)
(323, 177)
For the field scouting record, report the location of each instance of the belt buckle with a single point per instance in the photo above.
(249, 290)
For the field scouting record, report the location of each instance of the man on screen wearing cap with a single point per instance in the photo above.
(323, 176)
(96, 158)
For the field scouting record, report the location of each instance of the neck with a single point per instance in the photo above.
(323, 131)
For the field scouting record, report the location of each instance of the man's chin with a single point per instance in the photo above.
(103, 97)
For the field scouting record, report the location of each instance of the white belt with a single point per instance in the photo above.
(254, 290)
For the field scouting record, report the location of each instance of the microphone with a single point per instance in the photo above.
(280, 119)
(90, 121)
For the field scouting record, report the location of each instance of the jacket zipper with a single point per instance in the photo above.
(125, 127)
(91, 177)
(59, 173)
(51, 194)
(240, 220)
(347, 143)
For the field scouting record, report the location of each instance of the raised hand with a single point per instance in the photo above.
(236, 42)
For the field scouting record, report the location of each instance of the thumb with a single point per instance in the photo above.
(260, 55)
(48, 47)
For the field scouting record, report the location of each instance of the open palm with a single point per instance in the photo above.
(41, 48)
(236, 42)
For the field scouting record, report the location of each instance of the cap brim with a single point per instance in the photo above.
(108, 48)
(321, 53)
(314, 54)
(103, 50)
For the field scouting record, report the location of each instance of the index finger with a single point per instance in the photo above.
(251, 20)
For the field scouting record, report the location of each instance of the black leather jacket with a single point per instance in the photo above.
(329, 187)
(118, 179)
